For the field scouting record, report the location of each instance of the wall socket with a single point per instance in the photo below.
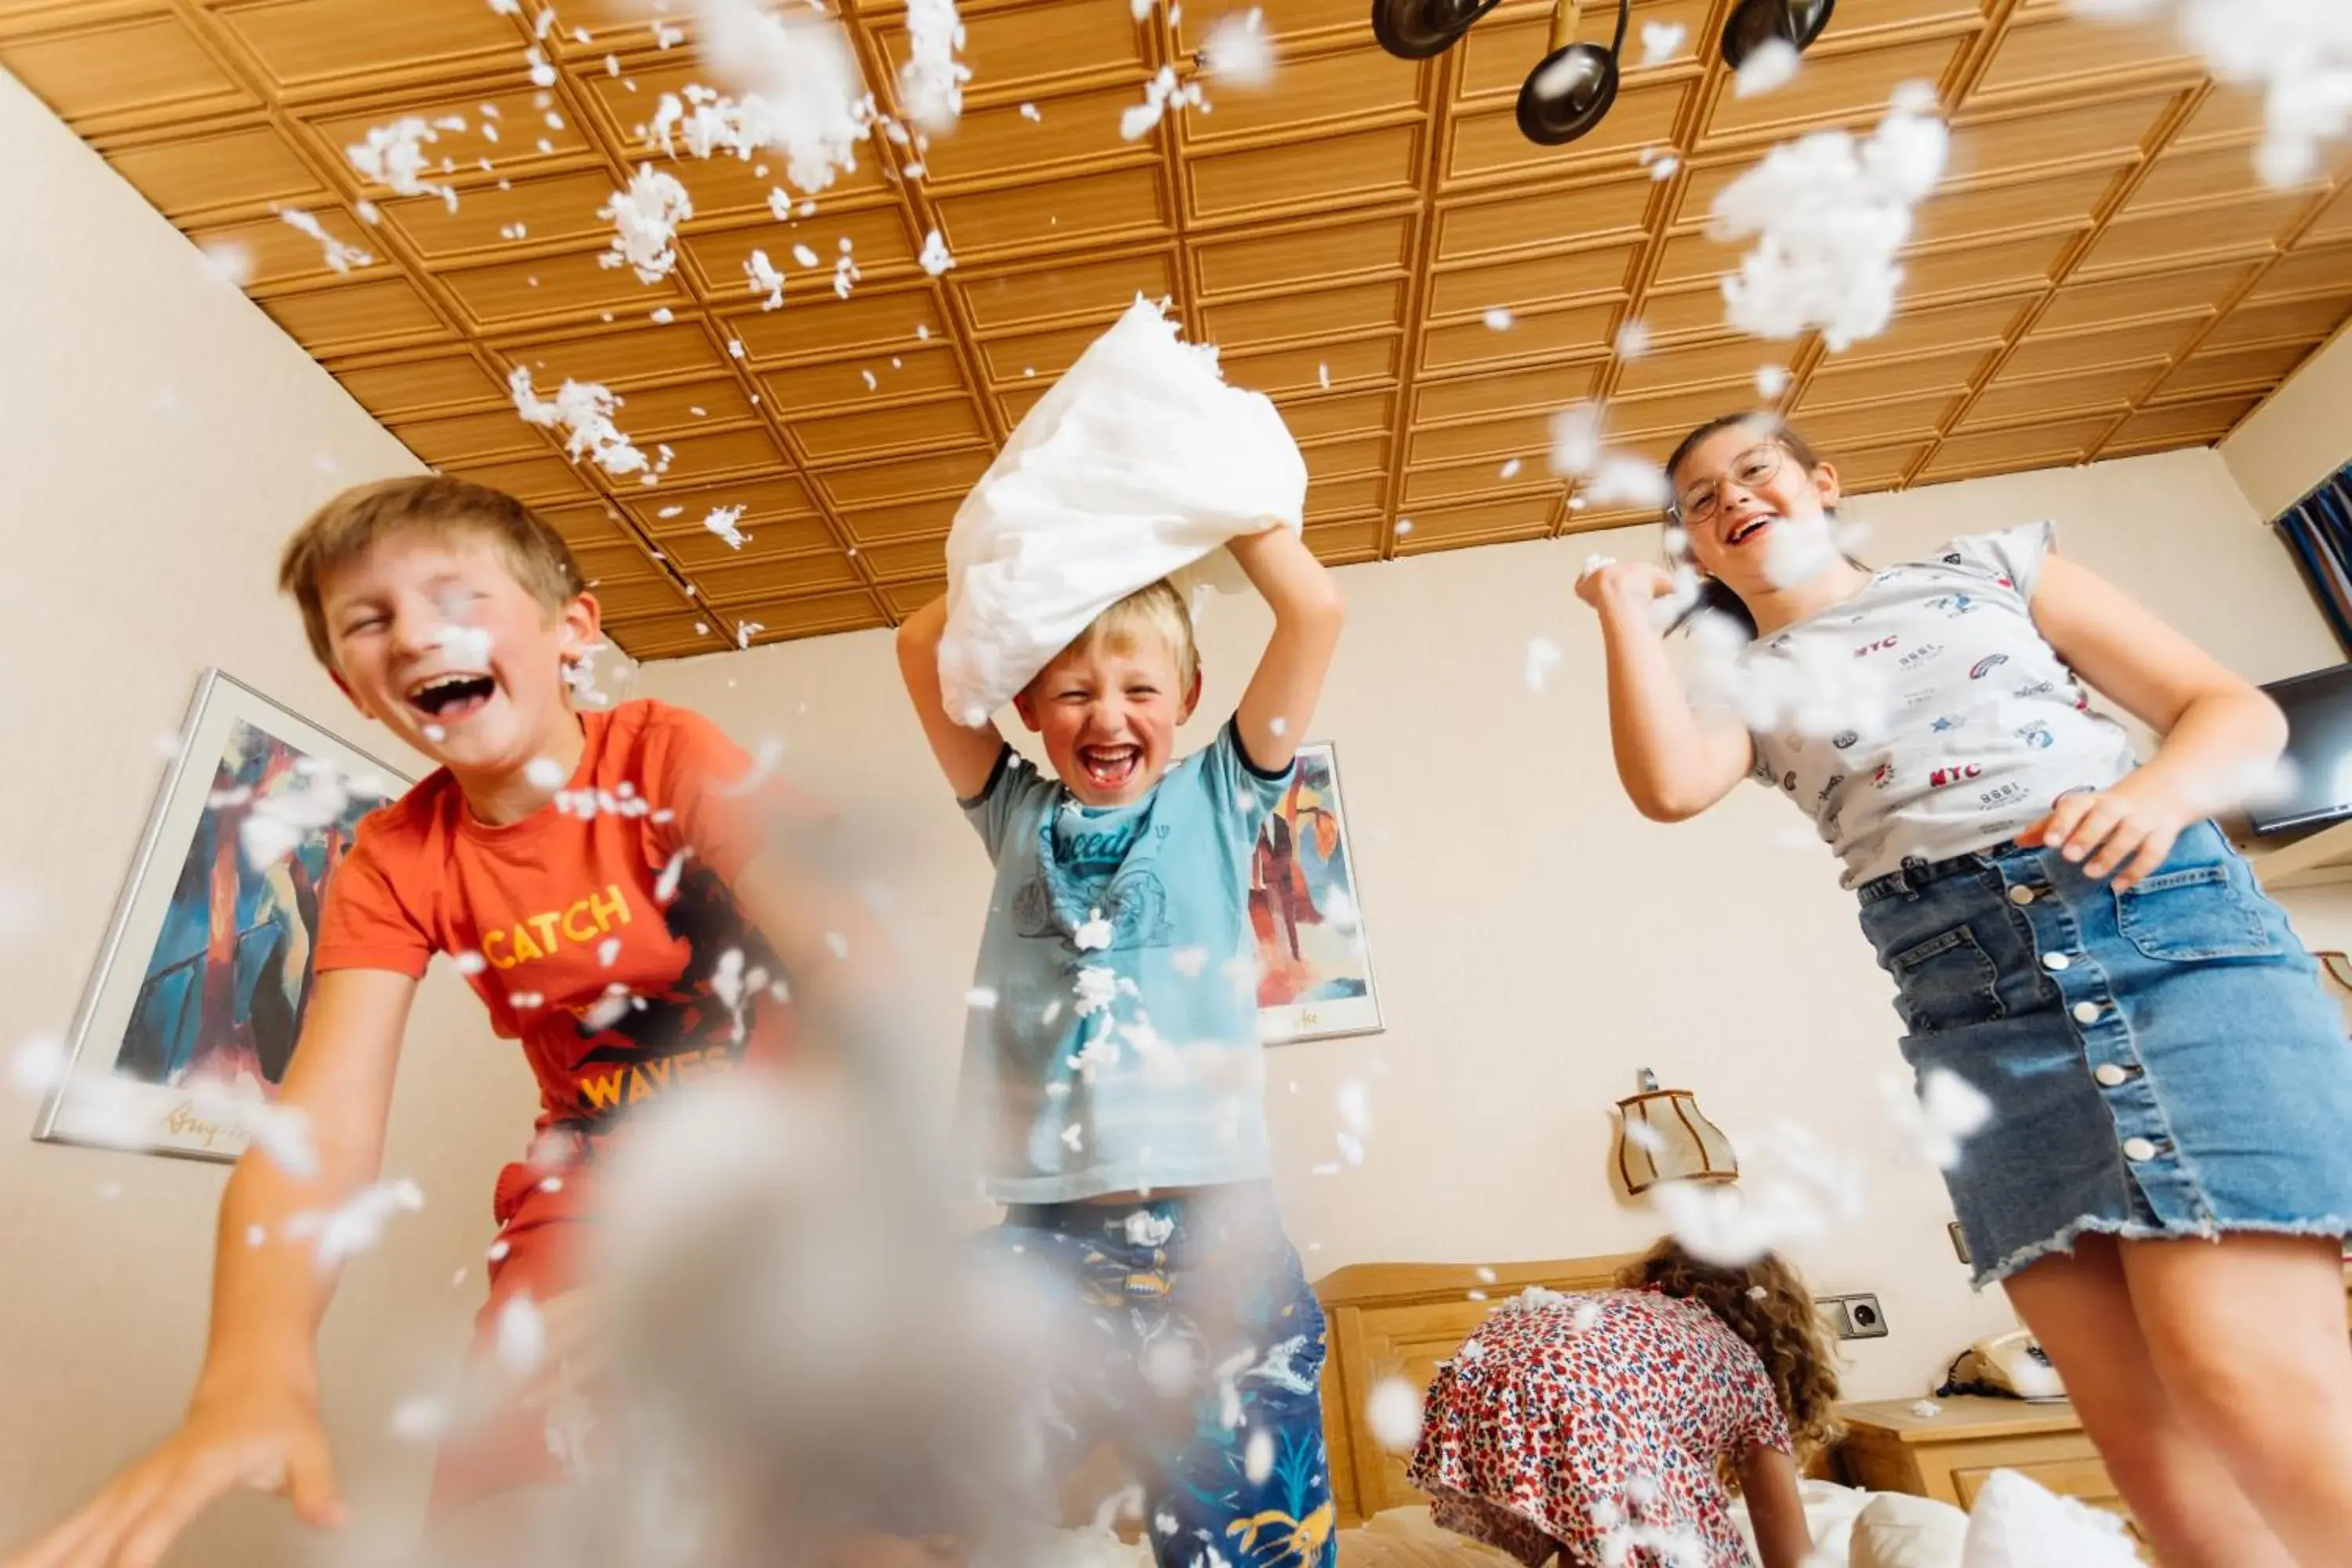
(1852, 1317)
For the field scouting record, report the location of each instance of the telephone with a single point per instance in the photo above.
(2009, 1367)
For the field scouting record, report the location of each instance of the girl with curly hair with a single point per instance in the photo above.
(1611, 1426)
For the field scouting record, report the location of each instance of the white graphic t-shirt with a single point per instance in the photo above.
(1953, 723)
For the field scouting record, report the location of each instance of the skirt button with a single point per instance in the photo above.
(2086, 1012)
(2139, 1148)
(2055, 960)
(2110, 1076)
(2021, 895)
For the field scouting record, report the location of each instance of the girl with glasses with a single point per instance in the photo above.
(2166, 1179)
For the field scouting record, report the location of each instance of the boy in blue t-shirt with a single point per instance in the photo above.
(1112, 1080)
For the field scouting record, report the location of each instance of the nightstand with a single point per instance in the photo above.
(1890, 1447)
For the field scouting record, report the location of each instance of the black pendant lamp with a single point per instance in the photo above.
(1753, 22)
(1573, 86)
(1416, 29)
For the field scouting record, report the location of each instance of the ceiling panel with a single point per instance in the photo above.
(1371, 241)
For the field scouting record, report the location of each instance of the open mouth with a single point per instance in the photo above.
(1749, 529)
(1109, 767)
(446, 699)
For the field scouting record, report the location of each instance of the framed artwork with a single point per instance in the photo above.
(188, 1020)
(1315, 966)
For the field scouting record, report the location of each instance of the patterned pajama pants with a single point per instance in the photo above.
(1192, 1346)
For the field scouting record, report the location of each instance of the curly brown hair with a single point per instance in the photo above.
(1766, 1304)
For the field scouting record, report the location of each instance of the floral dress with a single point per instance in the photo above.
(1591, 1426)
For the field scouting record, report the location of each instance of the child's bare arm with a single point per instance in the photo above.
(1776, 1508)
(1307, 612)
(1674, 762)
(253, 1420)
(966, 753)
(2220, 733)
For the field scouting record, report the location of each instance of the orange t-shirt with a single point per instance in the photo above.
(599, 929)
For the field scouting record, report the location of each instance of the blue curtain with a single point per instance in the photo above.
(2318, 532)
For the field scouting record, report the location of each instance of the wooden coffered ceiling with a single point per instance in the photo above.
(2101, 273)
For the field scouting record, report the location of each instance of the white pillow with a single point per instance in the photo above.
(2017, 1524)
(1898, 1531)
(1140, 461)
(1830, 1513)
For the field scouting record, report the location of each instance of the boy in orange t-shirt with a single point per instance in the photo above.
(604, 879)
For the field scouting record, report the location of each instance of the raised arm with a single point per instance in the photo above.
(966, 753)
(1279, 702)
(1674, 762)
(2220, 734)
(253, 1421)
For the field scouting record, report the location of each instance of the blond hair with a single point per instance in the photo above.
(1766, 1304)
(1158, 611)
(362, 517)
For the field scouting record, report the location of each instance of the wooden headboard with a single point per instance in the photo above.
(1400, 1320)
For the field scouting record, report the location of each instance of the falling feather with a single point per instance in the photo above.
(765, 280)
(801, 94)
(1160, 91)
(2298, 53)
(338, 255)
(1770, 65)
(1543, 656)
(645, 220)
(394, 155)
(1392, 1414)
(1236, 49)
(1939, 1117)
(722, 520)
(584, 410)
(357, 1224)
(521, 1339)
(930, 82)
(1829, 214)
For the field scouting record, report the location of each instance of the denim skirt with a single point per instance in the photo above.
(2161, 1062)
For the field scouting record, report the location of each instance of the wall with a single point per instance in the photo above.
(2300, 435)
(159, 437)
(1534, 940)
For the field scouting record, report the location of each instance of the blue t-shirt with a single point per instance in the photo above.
(1113, 1042)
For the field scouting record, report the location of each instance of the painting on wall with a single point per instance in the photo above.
(1314, 965)
(199, 994)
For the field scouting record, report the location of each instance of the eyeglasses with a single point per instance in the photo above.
(1752, 469)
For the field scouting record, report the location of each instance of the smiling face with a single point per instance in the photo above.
(1751, 505)
(1108, 707)
(433, 637)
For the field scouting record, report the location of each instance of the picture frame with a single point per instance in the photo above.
(1314, 963)
(199, 989)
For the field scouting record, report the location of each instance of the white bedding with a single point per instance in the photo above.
(1851, 1529)
(1855, 1529)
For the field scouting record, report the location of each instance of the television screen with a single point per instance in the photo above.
(2318, 751)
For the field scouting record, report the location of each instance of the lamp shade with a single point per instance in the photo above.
(1663, 1136)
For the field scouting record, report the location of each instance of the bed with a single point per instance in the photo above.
(1400, 1320)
